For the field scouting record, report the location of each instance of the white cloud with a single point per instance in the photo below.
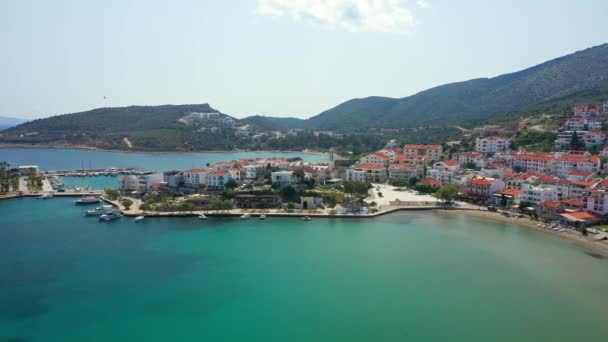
(423, 3)
(351, 15)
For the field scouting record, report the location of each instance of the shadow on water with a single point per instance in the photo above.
(595, 255)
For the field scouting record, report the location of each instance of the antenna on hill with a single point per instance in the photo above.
(105, 101)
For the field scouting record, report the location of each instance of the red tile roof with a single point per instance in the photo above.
(381, 155)
(580, 173)
(532, 157)
(573, 202)
(370, 166)
(583, 215)
(479, 181)
(510, 192)
(196, 170)
(220, 172)
(549, 204)
(430, 181)
(402, 166)
(450, 163)
(421, 147)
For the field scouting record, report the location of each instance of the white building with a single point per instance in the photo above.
(405, 171)
(283, 178)
(535, 194)
(492, 144)
(218, 179)
(195, 177)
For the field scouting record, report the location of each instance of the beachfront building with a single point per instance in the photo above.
(492, 144)
(195, 177)
(405, 171)
(370, 173)
(508, 197)
(443, 171)
(549, 210)
(217, 179)
(596, 199)
(536, 193)
(482, 188)
(433, 152)
(283, 178)
(140, 183)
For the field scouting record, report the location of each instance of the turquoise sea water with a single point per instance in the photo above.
(409, 276)
(56, 159)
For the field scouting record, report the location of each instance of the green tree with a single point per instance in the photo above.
(112, 194)
(289, 193)
(126, 202)
(447, 193)
(231, 184)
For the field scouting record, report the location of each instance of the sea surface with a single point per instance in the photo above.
(61, 159)
(409, 276)
(57, 159)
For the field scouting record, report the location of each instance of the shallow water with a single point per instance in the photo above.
(406, 276)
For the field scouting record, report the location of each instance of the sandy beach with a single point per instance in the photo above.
(598, 247)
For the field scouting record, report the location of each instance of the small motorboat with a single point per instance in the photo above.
(112, 215)
(45, 196)
(202, 217)
(306, 218)
(262, 217)
(104, 209)
(245, 217)
(87, 200)
(139, 218)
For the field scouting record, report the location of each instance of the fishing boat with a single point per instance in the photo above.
(87, 200)
(306, 218)
(202, 217)
(139, 218)
(262, 217)
(112, 215)
(245, 217)
(99, 210)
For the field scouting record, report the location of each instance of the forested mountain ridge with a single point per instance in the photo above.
(474, 99)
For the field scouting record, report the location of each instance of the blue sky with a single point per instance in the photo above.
(270, 57)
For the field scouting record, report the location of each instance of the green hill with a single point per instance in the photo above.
(143, 127)
(474, 99)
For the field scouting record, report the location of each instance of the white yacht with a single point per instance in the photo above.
(245, 217)
(139, 218)
(87, 200)
(99, 210)
(45, 196)
(202, 217)
(111, 215)
(262, 217)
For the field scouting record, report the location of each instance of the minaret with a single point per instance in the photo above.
(332, 162)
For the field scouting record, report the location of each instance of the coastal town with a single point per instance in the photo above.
(563, 190)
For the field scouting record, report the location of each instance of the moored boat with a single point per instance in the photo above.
(262, 217)
(245, 217)
(202, 217)
(306, 218)
(99, 210)
(112, 215)
(87, 200)
(139, 218)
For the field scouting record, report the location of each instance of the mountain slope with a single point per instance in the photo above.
(7, 122)
(271, 123)
(146, 127)
(474, 99)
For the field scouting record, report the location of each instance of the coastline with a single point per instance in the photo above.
(4, 146)
(597, 247)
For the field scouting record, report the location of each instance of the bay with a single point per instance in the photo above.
(405, 276)
(57, 159)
